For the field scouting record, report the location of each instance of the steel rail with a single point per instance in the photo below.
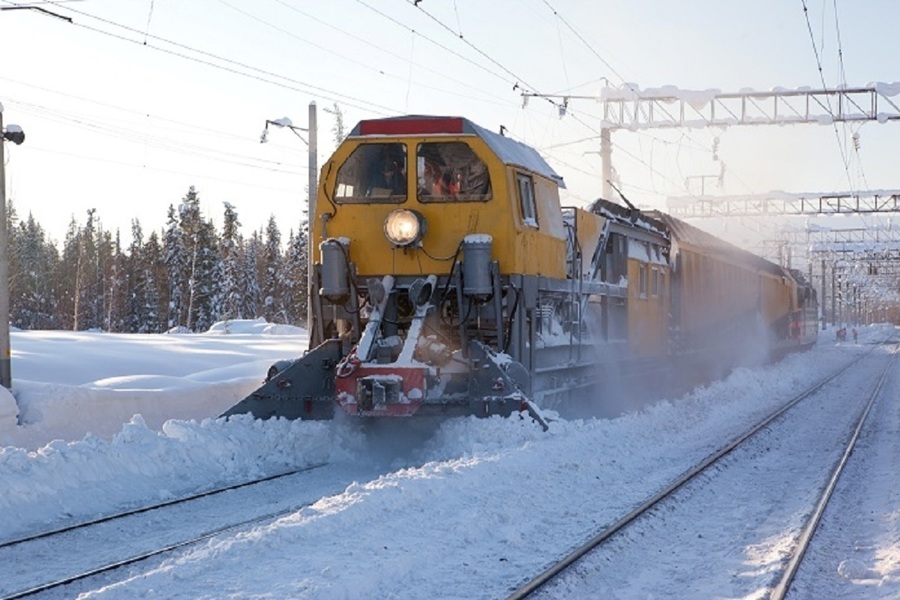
(779, 592)
(151, 553)
(168, 548)
(136, 511)
(564, 563)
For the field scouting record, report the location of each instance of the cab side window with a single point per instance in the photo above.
(451, 172)
(525, 183)
(373, 173)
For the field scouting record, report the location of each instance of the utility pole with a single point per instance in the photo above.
(606, 163)
(311, 202)
(5, 349)
(15, 135)
(312, 145)
(824, 303)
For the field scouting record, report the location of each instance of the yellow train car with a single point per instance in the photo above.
(449, 280)
(729, 305)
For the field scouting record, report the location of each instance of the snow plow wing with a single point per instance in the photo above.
(304, 389)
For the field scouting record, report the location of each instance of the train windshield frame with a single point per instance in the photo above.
(450, 171)
(374, 173)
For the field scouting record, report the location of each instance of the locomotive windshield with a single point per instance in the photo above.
(373, 173)
(445, 172)
(451, 172)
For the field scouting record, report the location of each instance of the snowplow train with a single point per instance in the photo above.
(448, 279)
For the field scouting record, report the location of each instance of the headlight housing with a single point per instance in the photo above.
(404, 227)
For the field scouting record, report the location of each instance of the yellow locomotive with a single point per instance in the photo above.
(449, 280)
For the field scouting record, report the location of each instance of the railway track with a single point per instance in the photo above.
(51, 560)
(781, 589)
(136, 511)
(790, 564)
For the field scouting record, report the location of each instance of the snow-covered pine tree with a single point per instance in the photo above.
(118, 284)
(272, 280)
(156, 285)
(250, 277)
(176, 261)
(34, 262)
(295, 280)
(230, 255)
(136, 319)
(206, 280)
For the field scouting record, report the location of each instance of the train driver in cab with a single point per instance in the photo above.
(447, 185)
(389, 178)
(394, 177)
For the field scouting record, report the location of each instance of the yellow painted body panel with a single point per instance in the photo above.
(648, 323)
(589, 227)
(778, 297)
(517, 247)
(716, 290)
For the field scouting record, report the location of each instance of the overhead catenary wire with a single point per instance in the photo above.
(294, 171)
(606, 63)
(137, 113)
(228, 65)
(242, 69)
(560, 18)
(681, 185)
(432, 41)
(520, 82)
(828, 100)
(178, 145)
(328, 49)
(583, 116)
(516, 80)
(843, 73)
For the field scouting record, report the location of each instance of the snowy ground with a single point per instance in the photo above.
(67, 384)
(467, 513)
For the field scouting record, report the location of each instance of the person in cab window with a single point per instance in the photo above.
(395, 178)
(390, 180)
(445, 186)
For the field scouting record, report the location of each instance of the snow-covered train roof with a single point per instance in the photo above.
(507, 150)
(688, 235)
(636, 218)
(682, 234)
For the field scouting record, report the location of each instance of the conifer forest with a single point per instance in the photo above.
(184, 277)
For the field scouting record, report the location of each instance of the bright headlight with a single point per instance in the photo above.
(404, 227)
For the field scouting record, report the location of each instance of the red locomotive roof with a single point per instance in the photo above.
(410, 126)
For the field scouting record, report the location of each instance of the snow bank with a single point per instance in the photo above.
(253, 326)
(9, 412)
(80, 480)
(67, 384)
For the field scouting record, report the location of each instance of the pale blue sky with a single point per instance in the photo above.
(115, 124)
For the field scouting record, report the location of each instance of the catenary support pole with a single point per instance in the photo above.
(824, 300)
(313, 189)
(5, 351)
(606, 162)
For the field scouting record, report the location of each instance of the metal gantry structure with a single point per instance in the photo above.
(785, 204)
(631, 109)
(859, 268)
(628, 108)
